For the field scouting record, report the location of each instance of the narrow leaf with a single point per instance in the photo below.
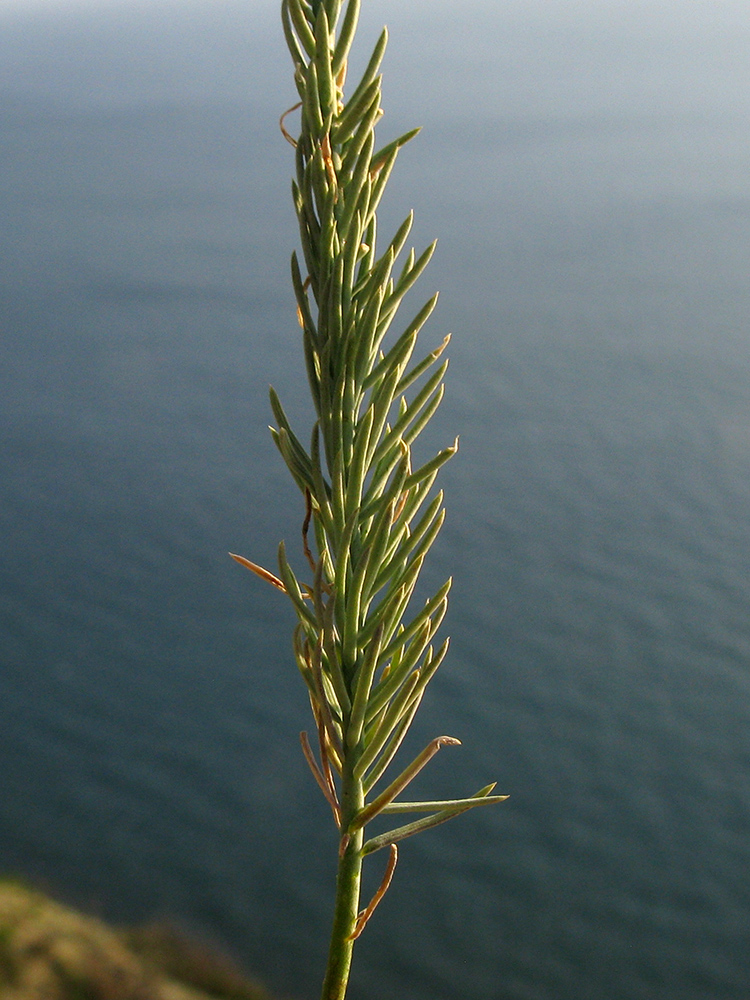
(389, 722)
(264, 574)
(405, 778)
(473, 800)
(301, 26)
(362, 685)
(355, 102)
(346, 36)
(394, 836)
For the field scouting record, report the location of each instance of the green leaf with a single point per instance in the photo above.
(414, 557)
(326, 86)
(409, 773)
(366, 327)
(381, 179)
(390, 720)
(353, 186)
(395, 740)
(351, 644)
(411, 411)
(311, 109)
(333, 8)
(293, 588)
(301, 26)
(299, 469)
(348, 28)
(346, 122)
(418, 634)
(295, 49)
(407, 337)
(401, 832)
(362, 684)
(470, 802)
(389, 685)
(392, 605)
(419, 369)
(358, 466)
(382, 494)
(416, 497)
(406, 280)
(432, 466)
(383, 155)
(399, 553)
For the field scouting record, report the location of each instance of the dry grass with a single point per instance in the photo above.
(51, 952)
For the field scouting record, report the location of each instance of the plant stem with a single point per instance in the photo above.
(347, 892)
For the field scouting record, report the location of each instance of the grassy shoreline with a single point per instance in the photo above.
(49, 951)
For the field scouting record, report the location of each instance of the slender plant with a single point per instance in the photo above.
(364, 653)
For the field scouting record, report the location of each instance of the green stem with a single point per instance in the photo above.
(347, 892)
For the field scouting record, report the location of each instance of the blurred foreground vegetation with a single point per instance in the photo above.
(49, 951)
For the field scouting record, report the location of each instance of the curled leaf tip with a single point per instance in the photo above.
(439, 350)
(446, 741)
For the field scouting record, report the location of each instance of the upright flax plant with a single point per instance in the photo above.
(370, 517)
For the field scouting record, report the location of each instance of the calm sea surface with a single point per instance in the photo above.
(587, 168)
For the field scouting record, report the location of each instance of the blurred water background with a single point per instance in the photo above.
(587, 169)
